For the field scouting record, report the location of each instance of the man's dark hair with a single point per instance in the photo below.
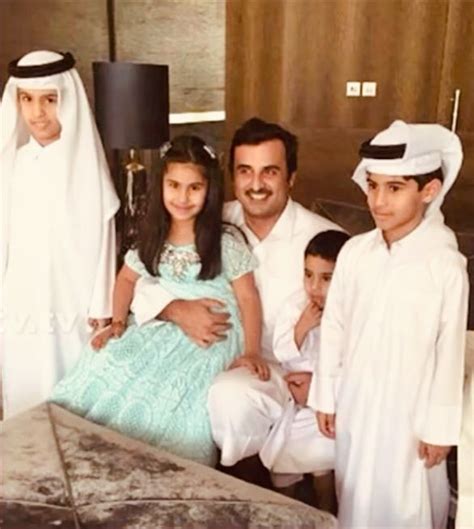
(255, 131)
(327, 244)
(423, 179)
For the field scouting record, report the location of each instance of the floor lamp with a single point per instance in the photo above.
(132, 113)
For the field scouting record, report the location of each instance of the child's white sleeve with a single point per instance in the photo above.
(442, 424)
(149, 299)
(324, 384)
(284, 345)
(101, 301)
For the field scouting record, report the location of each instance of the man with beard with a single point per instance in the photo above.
(242, 407)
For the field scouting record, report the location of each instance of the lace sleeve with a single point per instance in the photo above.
(237, 258)
(134, 262)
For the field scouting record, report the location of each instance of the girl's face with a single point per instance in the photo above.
(184, 191)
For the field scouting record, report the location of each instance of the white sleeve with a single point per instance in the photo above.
(284, 345)
(442, 423)
(465, 502)
(149, 299)
(324, 384)
(101, 301)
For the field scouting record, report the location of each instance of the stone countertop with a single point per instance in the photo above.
(60, 470)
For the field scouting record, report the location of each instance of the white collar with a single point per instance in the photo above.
(35, 149)
(431, 232)
(282, 229)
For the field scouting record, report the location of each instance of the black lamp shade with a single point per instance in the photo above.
(131, 104)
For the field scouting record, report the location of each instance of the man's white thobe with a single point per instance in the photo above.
(243, 408)
(394, 330)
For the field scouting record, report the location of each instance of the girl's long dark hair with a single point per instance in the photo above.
(208, 225)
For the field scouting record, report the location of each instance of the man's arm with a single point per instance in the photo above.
(202, 320)
(198, 319)
(149, 300)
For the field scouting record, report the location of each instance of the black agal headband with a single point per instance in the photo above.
(42, 70)
(382, 152)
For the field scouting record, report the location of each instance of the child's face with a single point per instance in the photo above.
(317, 278)
(39, 111)
(397, 205)
(184, 191)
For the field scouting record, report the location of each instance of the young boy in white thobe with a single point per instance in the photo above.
(58, 237)
(295, 445)
(394, 329)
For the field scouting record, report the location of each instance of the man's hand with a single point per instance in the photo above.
(327, 424)
(432, 454)
(202, 320)
(298, 384)
(255, 363)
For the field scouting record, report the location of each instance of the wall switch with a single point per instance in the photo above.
(353, 88)
(369, 89)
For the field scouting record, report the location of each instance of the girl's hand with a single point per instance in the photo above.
(118, 328)
(255, 363)
(432, 454)
(98, 323)
(101, 339)
(115, 330)
(327, 424)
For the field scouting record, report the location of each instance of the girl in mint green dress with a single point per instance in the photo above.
(151, 381)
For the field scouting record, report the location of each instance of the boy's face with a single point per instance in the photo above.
(317, 278)
(38, 109)
(397, 205)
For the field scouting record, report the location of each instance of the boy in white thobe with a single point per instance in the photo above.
(393, 329)
(58, 237)
(295, 445)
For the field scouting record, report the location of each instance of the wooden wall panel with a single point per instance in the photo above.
(79, 27)
(458, 65)
(254, 59)
(458, 72)
(297, 56)
(289, 60)
(188, 35)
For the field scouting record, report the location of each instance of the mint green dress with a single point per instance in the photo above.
(152, 383)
